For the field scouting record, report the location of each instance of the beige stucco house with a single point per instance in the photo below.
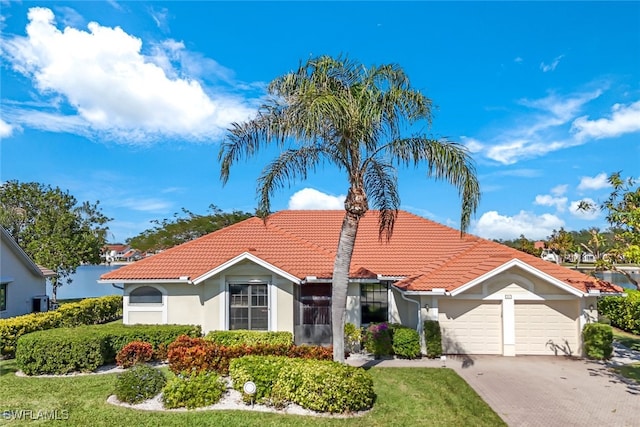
(22, 282)
(276, 275)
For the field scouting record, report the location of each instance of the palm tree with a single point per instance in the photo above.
(334, 110)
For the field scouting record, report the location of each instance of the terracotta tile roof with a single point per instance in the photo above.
(303, 243)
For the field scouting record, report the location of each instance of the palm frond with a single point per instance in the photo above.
(381, 186)
(290, 166)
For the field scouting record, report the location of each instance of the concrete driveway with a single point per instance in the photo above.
(551, 391)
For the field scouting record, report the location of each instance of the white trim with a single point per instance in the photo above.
(526, 267)
(272, 295)
(242, 257)
(508, 327)
(141, 281)
(141, 308)
(224, 304)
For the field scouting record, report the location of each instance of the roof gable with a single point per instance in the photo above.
(9, 241)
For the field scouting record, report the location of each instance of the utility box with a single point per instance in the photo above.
(40, 303)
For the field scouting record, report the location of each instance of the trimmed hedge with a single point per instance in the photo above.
(262, 370)
(598, 340)
(323, 386)
(239, 337)
(139, 383)
(85, 348)
(377, 339)
(193, 391)
(188, 355)
(90, 311)
(623, 312)
(319, 385)
(406, 343)
(433, 338)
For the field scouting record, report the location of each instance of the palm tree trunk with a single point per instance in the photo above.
(340, 282)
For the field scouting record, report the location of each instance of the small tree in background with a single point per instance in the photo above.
(51, 226)
(623, 213)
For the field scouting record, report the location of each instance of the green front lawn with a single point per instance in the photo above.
(631, 371)
(627, 339)
(405, 397)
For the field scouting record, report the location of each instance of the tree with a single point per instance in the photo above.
(560, 242)
(623, 214)
(54, 229)
(171, 232)
(339, 112)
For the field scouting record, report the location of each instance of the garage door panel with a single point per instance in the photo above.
(471, 327)
(548, 327)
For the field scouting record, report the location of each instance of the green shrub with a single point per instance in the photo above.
(623, 312)
(133, 353)
(240, 337)
(377, 339)
(89, 311)
(597, 340)
(406, 343)
(139, 383)
(433, 338)
(60, 351)
(352, 338)
(193, 391)
(262, 370)
(324, 386)
(85, 348)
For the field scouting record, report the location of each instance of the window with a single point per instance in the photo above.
(3, 296)
(249, 307)
(145, 295)
(374, 303)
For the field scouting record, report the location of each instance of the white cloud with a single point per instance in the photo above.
(144, 205)
(623, 119)
(472, 144)
(492, 225)
(588, 214)
(518, 59)
(552, 66)
(309, 198)
(116, 91)
(560, 203)
(559, 190)
(594, 183)
(541, 131)
(6, 130)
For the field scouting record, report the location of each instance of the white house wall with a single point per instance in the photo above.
(22, 284)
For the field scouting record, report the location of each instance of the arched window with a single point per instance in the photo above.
(145, 295)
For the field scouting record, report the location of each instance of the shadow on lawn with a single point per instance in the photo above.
(603, 369)
(7, 368)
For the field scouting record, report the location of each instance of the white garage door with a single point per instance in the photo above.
(549, 327)
(471, 327)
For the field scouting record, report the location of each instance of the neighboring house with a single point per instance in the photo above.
(120, 253)
(22, 282)
(276, 275)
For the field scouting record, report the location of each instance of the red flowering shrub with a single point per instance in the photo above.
(195, 355)
(161, 353)
(134, 352)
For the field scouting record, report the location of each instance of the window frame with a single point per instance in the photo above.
(157, 293)
(251, 295)
(383, 289)
(3, 294)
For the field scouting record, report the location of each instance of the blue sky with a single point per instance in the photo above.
(127, 102)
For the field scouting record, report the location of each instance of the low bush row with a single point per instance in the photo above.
(90, 311)
(318, 385)
(237, 337)
(188, 355)
(85, 348)
(623, 312)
